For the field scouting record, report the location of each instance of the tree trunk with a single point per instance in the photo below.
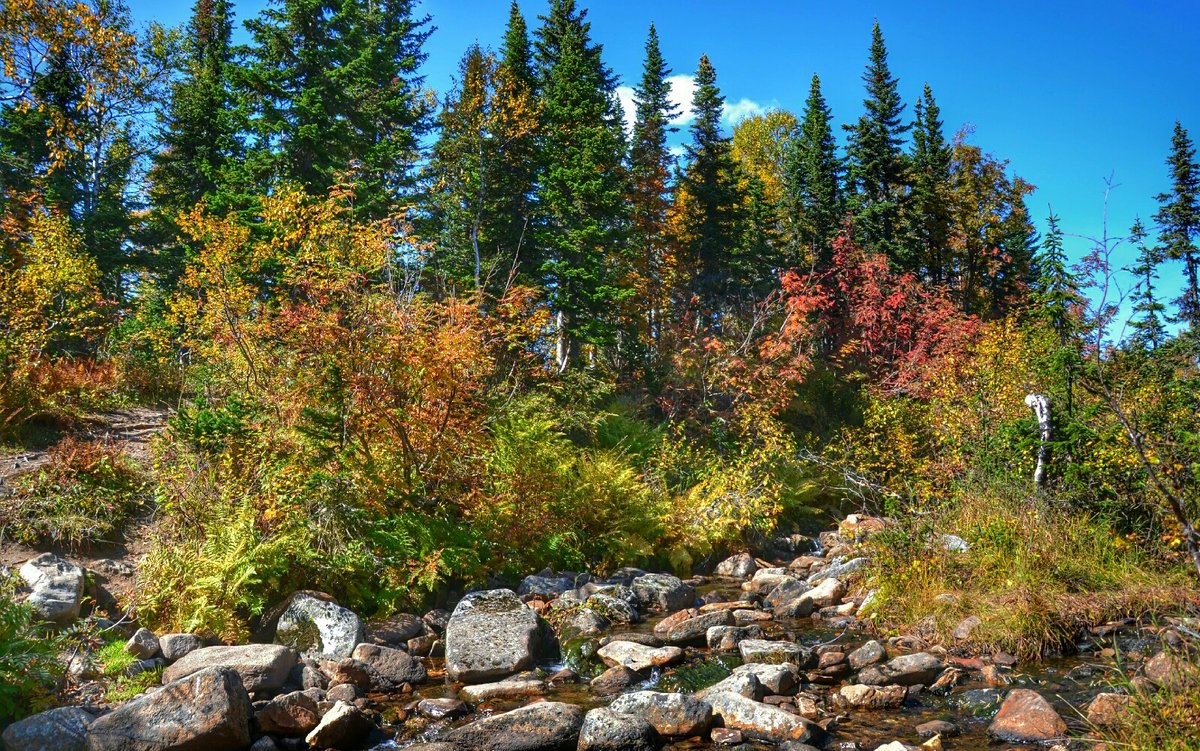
(1040, 404)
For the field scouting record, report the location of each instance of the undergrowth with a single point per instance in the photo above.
(29, 664)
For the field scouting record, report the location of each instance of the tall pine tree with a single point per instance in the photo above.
(514, 186)
(1148, 326)
(1056, 289)
(815, 179)
(929, 217)
(1178, 221)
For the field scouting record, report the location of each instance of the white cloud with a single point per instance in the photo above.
(735, 112)
(683, 90)
(625, 95)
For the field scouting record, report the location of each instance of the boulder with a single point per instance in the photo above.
(839, 569)
(727, 638)
(491, 634)
(757, 720)
(638, 656)
(582, 623)
(790, 599)
(262, 667)
(57, 586)
(315, 625)
(344, 726)
(762, 650)
(174, 646)
(1170, 671)
(671, 714)
(743, 684)
(396, 629)
(1025, 717)
(868, 654)
(693, 631)
(614, 681)
(443, 709)
(963, 630)
(936, 727)
(827, 593)
(61, 729)
(546, 584)
(740, 566)
(767, 579)
(613, 608)
(516, 687)
(294, 714)
(392, 667)
(547, 726)
(208, 710)
(143, 644)
(663, 592)
(779, 679)
(859, 696)
(906, 670)
(1107, 709)
(605, 730)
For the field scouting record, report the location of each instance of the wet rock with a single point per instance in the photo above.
(391, 667)
(582, 623)
(490, 635)
(789, 599)
(937, 727)
(906, 670)
(727, 638)
(313, 624)
(828, 592)
(760, 650)
(517, 687)
(344, 726)
(546, 584)
(663, 592)
(606, 730)
(262, 667)
(743, 684)
(868, 654)
(1025, 717)
(740, 566)
(614, 680)
(613, 608)
(758, 720)
(693, 630)
(671, 714)
(1107, 709)
(963, 630)
(293, 714)
(872, 697)
(61, 729)
(443, 709)
(396, 630)
(767, 579)
(175, 646)
(57, 586)
(979, 702)
(782, 679)
(637, 656)
(206, 710)
(545, 726)
(143, 644)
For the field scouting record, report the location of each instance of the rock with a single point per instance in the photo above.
(749, 617)
(546, 584)
(758, 720)
(266, 743)
(726, 737)
(781, 679)
(208, 709)
(767, 579)
(761, 650)
(638, 656)
(545, 726)
(694, 630)
(443, 709)
(1107, 709)
(955, 544)
(663, 592)
(293, 714)
(346, 692)
(315, 625)
(906, 670)
(743, 684)
(740, 566)
(860, 526)
(344, 726)
(937, 727)
(872, 697)
(614, 680)
(671, 714)
(1171, 672)
(827, 593)
(788, 599)
(582, 623)
(1025, 717)
(963, 630)
(516, 687)
(606, 730)
(979, 701)
(613, 608)
(396, 629)
(57, 586)
(868, 654)
(175, 646)
(727, 638)
(491, 634)
(392, 667)
(262, 667)
(649, 640)
(839, 569)
(143, 644)
(61, 729)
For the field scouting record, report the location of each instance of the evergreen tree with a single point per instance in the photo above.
(1148, 312)
(930, 221)
(581, 186)
(815, 179)
(1178, 220)
(516, 53)
(514, 186)
(1056, 290)
(876, 159)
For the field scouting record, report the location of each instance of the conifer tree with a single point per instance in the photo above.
(1178, 221)
(581, 185)
(1057, 290)
(1148, 326)
(876, 159)
(930, 221)
(516, 53)
(815, 179)
(514, 185)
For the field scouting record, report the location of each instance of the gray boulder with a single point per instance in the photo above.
(694, 631)
(781, 679)
(57, 586)
(262, 667)
(868, 654)
(343, 726)
(638, 656)
(840, 569)
(61, 729)
(319, 627)
(546, 584)
(605, 730)
(727, 638)
(671, 714)
(757, 720)
(143, 644)
(174, 646)
(391, 667)
(663, 592)
(294, 714)
(491, 634)
(775, 652)
(740, 566)
(547, 726)
(906, 670)
(612, 608)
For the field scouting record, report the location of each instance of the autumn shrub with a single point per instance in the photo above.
(29, 665)
(84, 494)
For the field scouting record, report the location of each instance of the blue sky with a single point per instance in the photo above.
(1070, 92)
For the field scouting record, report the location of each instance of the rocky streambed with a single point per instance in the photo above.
(755, 656)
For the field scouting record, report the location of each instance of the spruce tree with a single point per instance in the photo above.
(581, 185)
(815, 179)
(1056, 289)
(930, 219)
(1147, 323)
(1178, 221)
(514, 186)
(876, 159)
(516, 53)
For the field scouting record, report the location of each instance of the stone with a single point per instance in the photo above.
(663, 592)
(516, 687)
(693, 631)
(762, 650)
(266, 743)
(614, 680)
(740, 566)
(757, 720)
(727, 638)
(1171, 672)
(143, 644)
(649, 640)
(443, 709)
(315, 625)
(613, 608)
(293, 714)
(872, 697)
(788, 599)
(263, 667)
(638, 656)
(344, 726)
(57, 586)
(749, 617)
(346, 692)
(955, 544)
(175, 646)
(206, 710)
(827, 593)
(546, 584)
(60, 729)
(838, 569)
(396, 629)
(1107, 709)
(907, 670)
(937, 727)
(392, 667)
(582, 623)
(978, 702)
(545, 726)
(1026, 717)
(726, 737)
(963, 630)
(671, 714)
(743, 684)
(491, 634)
(767, 579)
(860, 526)
(780, 679)
(606, 730)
